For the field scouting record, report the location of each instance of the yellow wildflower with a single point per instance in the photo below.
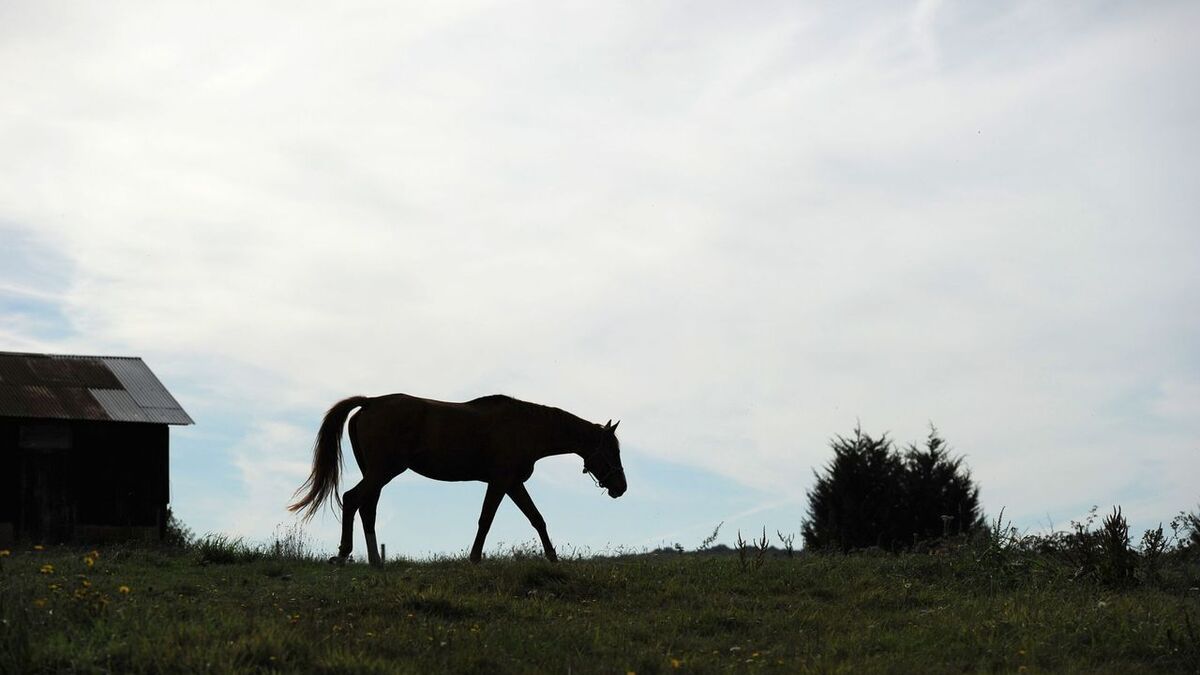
(676, 663)
(47, 569)
(39, 547)
(89, 561)
(4, 553)
(123, 590)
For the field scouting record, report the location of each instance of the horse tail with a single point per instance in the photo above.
(327, 459)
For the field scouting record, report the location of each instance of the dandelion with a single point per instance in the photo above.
(89, 561)
(47, 569)
(4, 553)
(39, 547)
(676, 663)
(123, 590)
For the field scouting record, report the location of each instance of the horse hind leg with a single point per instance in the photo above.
(350, 506)
(370, 500)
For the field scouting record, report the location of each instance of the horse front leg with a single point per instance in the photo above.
(491, 501)
(521, 498)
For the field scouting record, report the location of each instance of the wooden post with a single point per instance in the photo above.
(383, 553)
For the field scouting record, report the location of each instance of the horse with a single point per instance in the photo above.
(494, 439)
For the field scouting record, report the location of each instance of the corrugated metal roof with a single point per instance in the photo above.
(119, 405)
(63, 386)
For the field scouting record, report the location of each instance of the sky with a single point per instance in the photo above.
(741, 229)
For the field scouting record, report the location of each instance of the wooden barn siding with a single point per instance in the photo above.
(113, 482)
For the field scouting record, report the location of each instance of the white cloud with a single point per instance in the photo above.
(270, 467)
(738, 231)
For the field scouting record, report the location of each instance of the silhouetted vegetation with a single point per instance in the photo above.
(1105, 555)
(872, 495)
(177, 534)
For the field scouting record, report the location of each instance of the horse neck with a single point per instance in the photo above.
(563, 433)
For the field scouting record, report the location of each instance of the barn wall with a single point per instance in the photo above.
(10, 481)
(84, 480)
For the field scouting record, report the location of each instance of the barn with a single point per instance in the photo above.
(84, 448)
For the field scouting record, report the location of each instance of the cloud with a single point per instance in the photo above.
(737, 231)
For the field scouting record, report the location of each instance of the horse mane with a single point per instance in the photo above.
(503, 399)
(544, 411)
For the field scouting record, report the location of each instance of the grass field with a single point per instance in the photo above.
(233, 609)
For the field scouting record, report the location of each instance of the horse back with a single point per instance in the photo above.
(437, 439)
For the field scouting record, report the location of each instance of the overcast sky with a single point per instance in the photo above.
(740, 228)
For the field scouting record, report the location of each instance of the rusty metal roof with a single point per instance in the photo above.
(61, 386)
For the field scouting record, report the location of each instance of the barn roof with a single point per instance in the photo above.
(61, 386)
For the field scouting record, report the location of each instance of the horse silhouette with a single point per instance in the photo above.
(494, 439)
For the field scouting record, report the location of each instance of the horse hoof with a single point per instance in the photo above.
(337, 560)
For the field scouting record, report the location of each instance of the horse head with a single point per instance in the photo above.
(603, 461)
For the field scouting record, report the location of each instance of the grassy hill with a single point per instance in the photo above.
(229, 608)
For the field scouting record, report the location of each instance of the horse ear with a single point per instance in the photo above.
(608, 425)
(614, 427)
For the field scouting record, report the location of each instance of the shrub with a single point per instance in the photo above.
(854, 504)
(871, 495)
(1186, 527)
(176, 534)
(940, 498)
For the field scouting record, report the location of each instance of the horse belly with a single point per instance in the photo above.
(449, 466)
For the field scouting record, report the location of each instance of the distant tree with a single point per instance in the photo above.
(871, 495)
(939, 495)
(853, 504)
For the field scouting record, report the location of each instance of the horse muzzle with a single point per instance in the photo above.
(617, 490)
